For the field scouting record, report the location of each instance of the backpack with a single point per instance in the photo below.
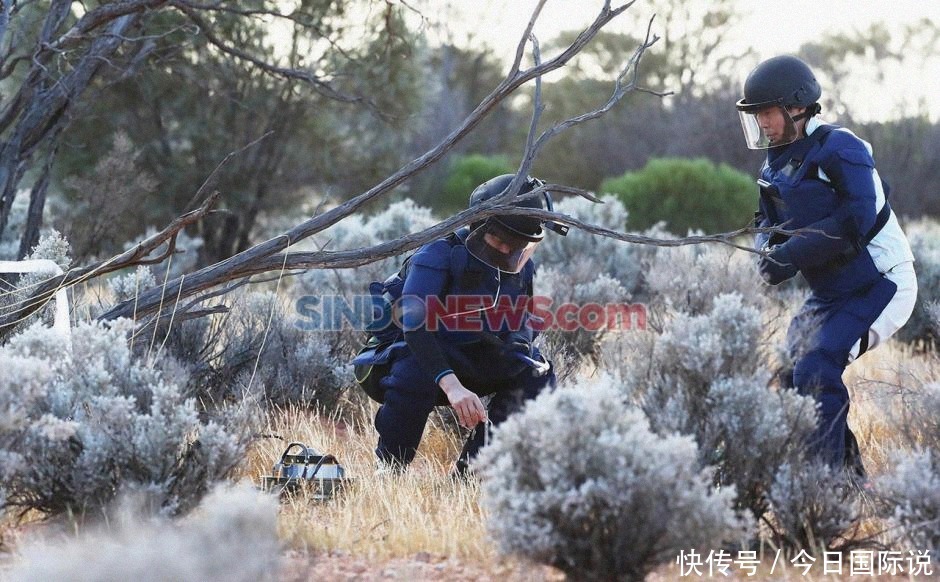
(374, 360)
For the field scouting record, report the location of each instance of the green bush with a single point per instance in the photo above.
(686, 194)
(466, 173)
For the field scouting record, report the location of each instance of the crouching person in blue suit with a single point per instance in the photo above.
(455, 356)
(858, 264)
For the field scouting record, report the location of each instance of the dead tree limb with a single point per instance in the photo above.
(269, 256)
(140, 254)
(347, 259)
(246, 261)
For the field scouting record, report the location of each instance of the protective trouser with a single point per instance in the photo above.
(820, 340)
(410, 396)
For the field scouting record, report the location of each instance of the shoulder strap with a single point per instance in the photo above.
(880, 221)
(798, 150)
(885, 213)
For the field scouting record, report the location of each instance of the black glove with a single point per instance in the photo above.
(777, 272)
(518, 341)
(515, 344)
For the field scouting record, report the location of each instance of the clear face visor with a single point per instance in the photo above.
(499, 247)
(767, 126)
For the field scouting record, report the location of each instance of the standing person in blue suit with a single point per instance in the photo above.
(858, 262)
(488, 266)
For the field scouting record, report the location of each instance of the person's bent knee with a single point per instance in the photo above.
(819, 369)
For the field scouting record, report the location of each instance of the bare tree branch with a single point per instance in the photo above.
(43, 292)
(245, 261)
(346, 259)
(100, 16)
(526, 35)
(319, 84)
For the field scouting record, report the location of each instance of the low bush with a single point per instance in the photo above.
(80, 423)
(579, 481)
(687, 194)
(703, 377)
(233, 537)
(816, 507)
(924, 236)
(911, 493)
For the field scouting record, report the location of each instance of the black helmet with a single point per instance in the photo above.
(778, 83)
(530, 228)
(783, 80)
(515, 237)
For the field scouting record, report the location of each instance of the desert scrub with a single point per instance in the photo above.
(910, 494)
(81, 423)
(815, 507)
(578, 480)
(231, 537)
(703, 376)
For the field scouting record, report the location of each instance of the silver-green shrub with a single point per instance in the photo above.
(582, 256)
(703, 376)
(584, 268)
(127, 286)
(399, 219)
(912, 493)
(231, 537)
(257, 347)
(816, 507)
(579, 481)
(569, 348)
(917, 418)
(80, 422)
(688, 279)
(292, 365)
(751, 431)
(924, 236)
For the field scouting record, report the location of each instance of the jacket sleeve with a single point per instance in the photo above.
(761, 221)
(526, 333)
(427, 276)
(849, 166)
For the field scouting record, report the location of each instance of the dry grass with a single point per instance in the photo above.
(876, 384)
(377, 516)
(392, 522)
(424, 526)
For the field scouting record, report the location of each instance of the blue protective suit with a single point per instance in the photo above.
(482, 359)
(826, 181)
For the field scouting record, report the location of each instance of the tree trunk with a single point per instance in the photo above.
(37, 202)
(44, 108)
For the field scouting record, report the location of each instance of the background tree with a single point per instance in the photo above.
(189, 102)
(906, 148)
(694, 63)
(455, 80)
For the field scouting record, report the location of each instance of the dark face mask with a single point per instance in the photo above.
(501, 248)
